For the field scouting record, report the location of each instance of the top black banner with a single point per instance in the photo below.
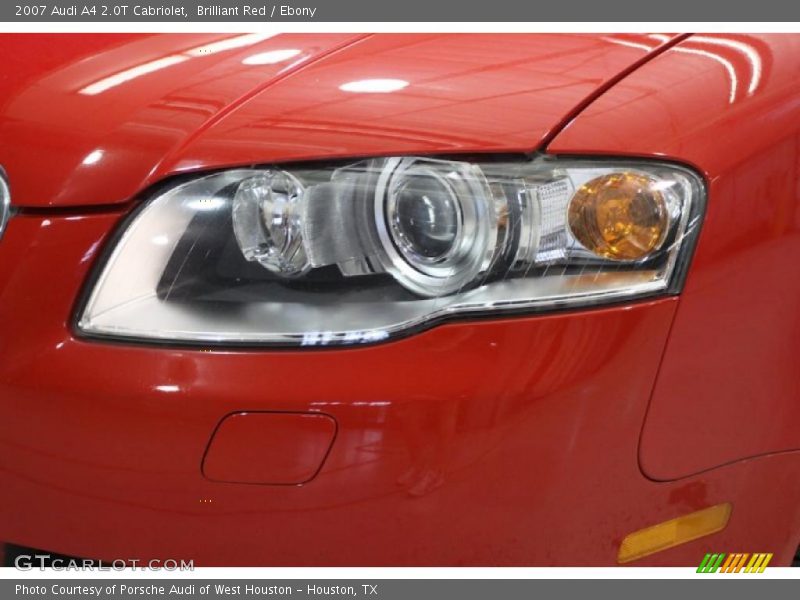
(459, 11)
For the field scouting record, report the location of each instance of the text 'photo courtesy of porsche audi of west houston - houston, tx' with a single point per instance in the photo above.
(400, 299)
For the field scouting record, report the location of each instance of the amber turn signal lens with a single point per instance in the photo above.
(621, 216)
(674, 532)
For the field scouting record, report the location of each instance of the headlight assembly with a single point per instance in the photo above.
(319, 255)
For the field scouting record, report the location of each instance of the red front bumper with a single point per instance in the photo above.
(507, 442)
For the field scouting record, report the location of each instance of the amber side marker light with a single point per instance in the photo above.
(674, 532)
(620, 216)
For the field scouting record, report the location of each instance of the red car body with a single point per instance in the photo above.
(556, 435)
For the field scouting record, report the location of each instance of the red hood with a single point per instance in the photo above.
(88, 120)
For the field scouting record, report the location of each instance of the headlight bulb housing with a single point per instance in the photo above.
(622, 216)
(436, 223)
(267, 222)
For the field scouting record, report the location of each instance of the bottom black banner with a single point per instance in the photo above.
(397, 589)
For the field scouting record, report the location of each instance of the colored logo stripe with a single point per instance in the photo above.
(741, 562)
(734, 563)
(710, 563)
(727, 564)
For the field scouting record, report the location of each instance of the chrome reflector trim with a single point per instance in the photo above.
(5, 202)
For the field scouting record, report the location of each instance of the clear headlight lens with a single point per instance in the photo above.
(318, 255)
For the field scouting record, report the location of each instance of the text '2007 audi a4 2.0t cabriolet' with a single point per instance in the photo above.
(311, 299)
